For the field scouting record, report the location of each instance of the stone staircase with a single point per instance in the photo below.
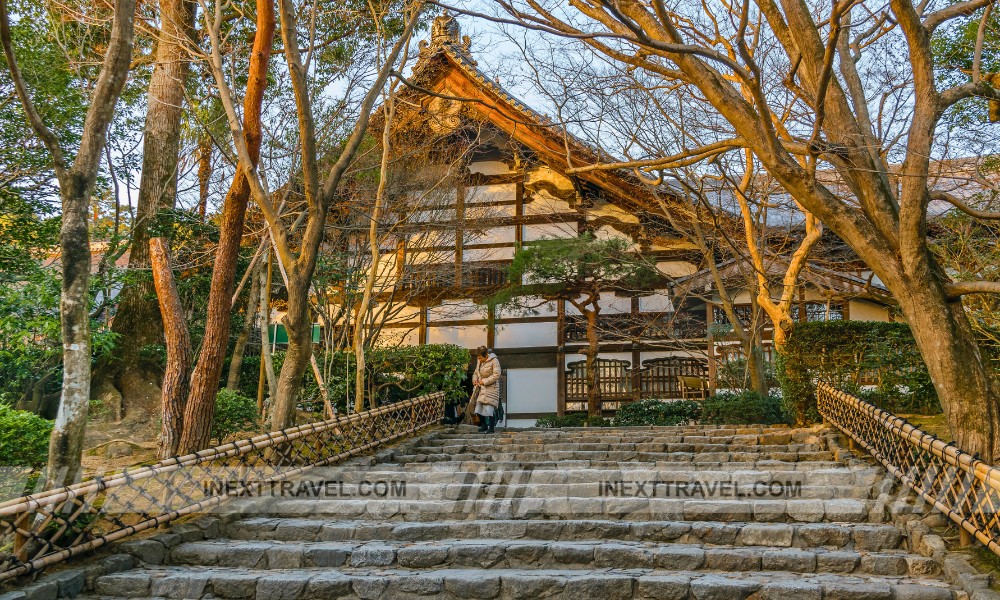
(700, 513)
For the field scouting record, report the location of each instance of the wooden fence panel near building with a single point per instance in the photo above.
(618, 383)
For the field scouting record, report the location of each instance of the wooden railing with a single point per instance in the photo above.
(964, 488)
(618, 382)
(46, 528)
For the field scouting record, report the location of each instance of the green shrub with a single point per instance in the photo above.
(394, 374)
(24, 438)
(746, 407)
(657, 412)
(234, 413)
(846, 354)
(733, 374)
(578, 419)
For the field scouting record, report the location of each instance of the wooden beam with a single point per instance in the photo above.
(459, 232)
(712, 367)
(561, 357)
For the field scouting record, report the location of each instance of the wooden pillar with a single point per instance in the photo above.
(459, 232)
(519, 221)
(422, 328)
(636, 354)
(710, 340)
(561, 357)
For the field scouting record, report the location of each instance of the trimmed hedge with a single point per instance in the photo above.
(657, 412)
(743, 408)
(842, 352)
(579, 419)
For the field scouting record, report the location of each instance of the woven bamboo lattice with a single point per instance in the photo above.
(964, 488)
(46, 528)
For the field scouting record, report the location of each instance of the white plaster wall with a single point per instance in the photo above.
(456, 310)
(610, 305)
(525, 335)
(433, 258)
(544, 203)
(676, 268)
(401, 337)
(478, 254)
(549, 230)
(520, 423)
(490, 193)
(489, 167)
(859, 310)
(542, 308)
(659, 302)
(532, 390)
(467, 336)
(429, 216)
(407, 313)
(486, 211)
(496, 235)
(411, 338)
(608, 233)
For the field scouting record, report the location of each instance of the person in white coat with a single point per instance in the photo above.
(487, 381)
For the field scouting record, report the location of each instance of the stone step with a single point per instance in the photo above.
(636, 509)
(831, 536)
(642, 448)
(606, 584)
(413, 474)
(401, 488)
(521, 437)
(677, 461)
(616, 455)
(546, 554)
(469, 431)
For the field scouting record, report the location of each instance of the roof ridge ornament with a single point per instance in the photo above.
(446, 34)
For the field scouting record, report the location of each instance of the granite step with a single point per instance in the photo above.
(641, 509)
(832, 536)
(614, 455)
(609, 584)
(547, 554)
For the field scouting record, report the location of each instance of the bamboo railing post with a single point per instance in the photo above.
(965, 538)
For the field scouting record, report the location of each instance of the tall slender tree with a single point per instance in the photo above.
(137, 320)
(199, 411)
(76, 177)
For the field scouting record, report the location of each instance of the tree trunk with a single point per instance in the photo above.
(138, 320)
(200, 408)
(956, 366)
(236, 363)
(266, 357)
(319, 198)
(76, 184)
(204, 172)
(593, 396)
(298, 325)
(755, 368)
(66, 442)
(175, 380)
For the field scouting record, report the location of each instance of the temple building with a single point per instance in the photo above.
(496, 176)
